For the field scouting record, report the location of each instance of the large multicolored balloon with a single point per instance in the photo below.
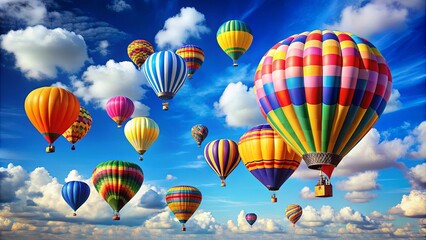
(75, 193)
(223, 157)
(235, 38)
(119, 109)
(117, 182)
(251, 218)
(51, 110)
(293, 213)
(139, 51)
(79, 128)
(166, 73)
(268, 157)
(141, 132)
(193, 56)
(199, 132)
(322, 91)
(183, 201)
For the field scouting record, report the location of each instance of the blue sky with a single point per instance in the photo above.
(379, 187)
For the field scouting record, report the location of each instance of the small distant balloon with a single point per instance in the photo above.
(119, 109)
(235, 38)
(251, 218)
(293, 213)
(79, 128)
(199, 132)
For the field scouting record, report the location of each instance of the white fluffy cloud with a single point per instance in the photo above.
(419, 134)
(306, 193)
(394, 104)
(360, 182)
(119, 6)
(170, 177)
(101, 82)
(262, 224)
(40, 52)
(376, 16)
(359, 197)
(188, 23)
(103, 47)
(239, 106)
(30, 12)
(417, 176)
(413, 205)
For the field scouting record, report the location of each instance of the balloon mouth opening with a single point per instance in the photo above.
(50, 149)
(317, 159)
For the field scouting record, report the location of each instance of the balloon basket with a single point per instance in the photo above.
(183, 229)
(74, 214)
(223, 184)
(323, 190)
(165, 106)
(50, 149)
(73, 147)
(273, 199)
(140, 158)
(115, 217)
(235, 64)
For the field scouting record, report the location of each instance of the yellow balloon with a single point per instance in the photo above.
(141, 132)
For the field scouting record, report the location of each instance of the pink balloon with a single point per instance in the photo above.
(120, 109)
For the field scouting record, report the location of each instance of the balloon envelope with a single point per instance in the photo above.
(183, 201)
(222, 157)
(193, 57)
(267, 156)
(75, 193)
(322, 91)
(117, 182)
(119, 109)
(293, 213)
(199, 132)
(139, 50)
(141, 132)
(51, 110)
(79, 128)
(235, 38)
(251, 218)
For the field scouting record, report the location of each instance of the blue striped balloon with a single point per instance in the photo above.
(75, 193)
(166, 73)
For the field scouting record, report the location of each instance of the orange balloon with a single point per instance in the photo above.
(51, 110)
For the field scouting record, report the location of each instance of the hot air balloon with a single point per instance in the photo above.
(183, 201)
(251, 218)
(193, 57)
(322, 91)
(141, 132)
(51, 110)
(75, 193)
(117, 182)
(139, 51)
(222, 156)
(166, 73)
(120, 108)
(79, 128)
(293, 213)
(234, 37)
(268, 157)
(199, 132)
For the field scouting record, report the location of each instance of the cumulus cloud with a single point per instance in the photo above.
(103, 47)
(376, 16)
(152, 199)
(413, 205)
(40, 52)
(30, 12)
(360, 182)
(11, 179)
(101, 82)
(188, 23)
(359, 197)
(306, 193)
(170, 177)
(262, 225)
(239, 106)
(119, 6)
(417, 176)
(381, 217)
(312, 217)
(394, 104)
(419, 134)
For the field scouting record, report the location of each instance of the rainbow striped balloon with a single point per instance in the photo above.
(322, 91)
(251, 218)
(193, 56)
(79, 128)
(166, 73)
(223, 157)
(199, 132)
(268, 157)
(139, 51)
(141, 132)
(183, 201)
(235, 38)
(293, 213)
(117, 182)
